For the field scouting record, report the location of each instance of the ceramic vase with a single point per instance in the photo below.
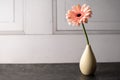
(88, 61)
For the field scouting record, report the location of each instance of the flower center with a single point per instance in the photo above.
(78, 15)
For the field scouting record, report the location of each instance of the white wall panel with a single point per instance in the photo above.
(57, 48)
(105, 16)
(38, 17)
(11, 15)
(7, 10)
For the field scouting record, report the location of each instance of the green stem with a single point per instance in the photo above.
(87, 40)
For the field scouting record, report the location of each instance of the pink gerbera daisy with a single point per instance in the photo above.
(78, 14)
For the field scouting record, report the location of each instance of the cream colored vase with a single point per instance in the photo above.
(87, 62)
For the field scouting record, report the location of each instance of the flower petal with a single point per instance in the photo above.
(72, 15)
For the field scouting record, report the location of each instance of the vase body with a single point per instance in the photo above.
(88, 61)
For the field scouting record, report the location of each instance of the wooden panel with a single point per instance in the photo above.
(38, 17)
(11, 16)
(105, 16)
(6, 10)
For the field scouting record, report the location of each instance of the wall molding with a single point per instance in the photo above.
(16, 24)
(11, 19)
(37, 19)
(108, 30)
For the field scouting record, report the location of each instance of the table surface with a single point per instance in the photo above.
(68, 71)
